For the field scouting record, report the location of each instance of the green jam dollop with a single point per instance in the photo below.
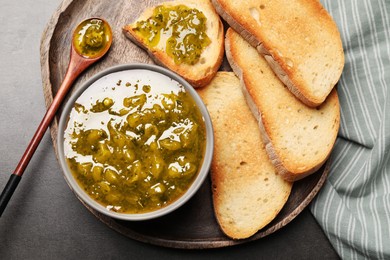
(92, 37)
(179, 29)
(137, 147)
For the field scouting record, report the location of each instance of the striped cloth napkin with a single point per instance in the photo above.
(353, 207)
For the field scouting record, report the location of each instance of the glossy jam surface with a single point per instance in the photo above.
(92, 38)
(180, 30)
(135, 145)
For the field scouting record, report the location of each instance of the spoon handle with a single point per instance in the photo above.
(76, 65)
(9, 189)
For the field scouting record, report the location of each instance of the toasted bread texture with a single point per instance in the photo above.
(298, 138)
(298, 38)
(247, 191)
(200, 73)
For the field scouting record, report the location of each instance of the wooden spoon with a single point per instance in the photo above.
(91, 40)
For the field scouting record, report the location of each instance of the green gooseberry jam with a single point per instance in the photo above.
(179, 30)
(135, 146)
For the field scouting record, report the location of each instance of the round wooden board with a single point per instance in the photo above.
(193, 226)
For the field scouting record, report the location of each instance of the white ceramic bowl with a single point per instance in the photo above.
(142, 71)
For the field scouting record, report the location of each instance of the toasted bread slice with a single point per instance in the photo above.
(298, 138)
(247, 192)
(200, 73)
(298, 38)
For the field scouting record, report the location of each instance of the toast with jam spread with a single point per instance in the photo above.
(186, 36)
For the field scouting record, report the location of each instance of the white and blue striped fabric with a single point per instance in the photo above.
(353, 207)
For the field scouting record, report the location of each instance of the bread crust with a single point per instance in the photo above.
(298, 139)
(201, 73)
(302, 46)
(247, 191)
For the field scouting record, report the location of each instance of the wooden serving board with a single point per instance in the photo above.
(193, 226)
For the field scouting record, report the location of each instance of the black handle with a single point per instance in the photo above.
(8, 191)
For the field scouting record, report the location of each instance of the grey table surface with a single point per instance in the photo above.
(44, 220)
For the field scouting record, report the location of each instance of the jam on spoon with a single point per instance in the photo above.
(91, 40)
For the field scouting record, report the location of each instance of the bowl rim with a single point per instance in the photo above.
(191, 191)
